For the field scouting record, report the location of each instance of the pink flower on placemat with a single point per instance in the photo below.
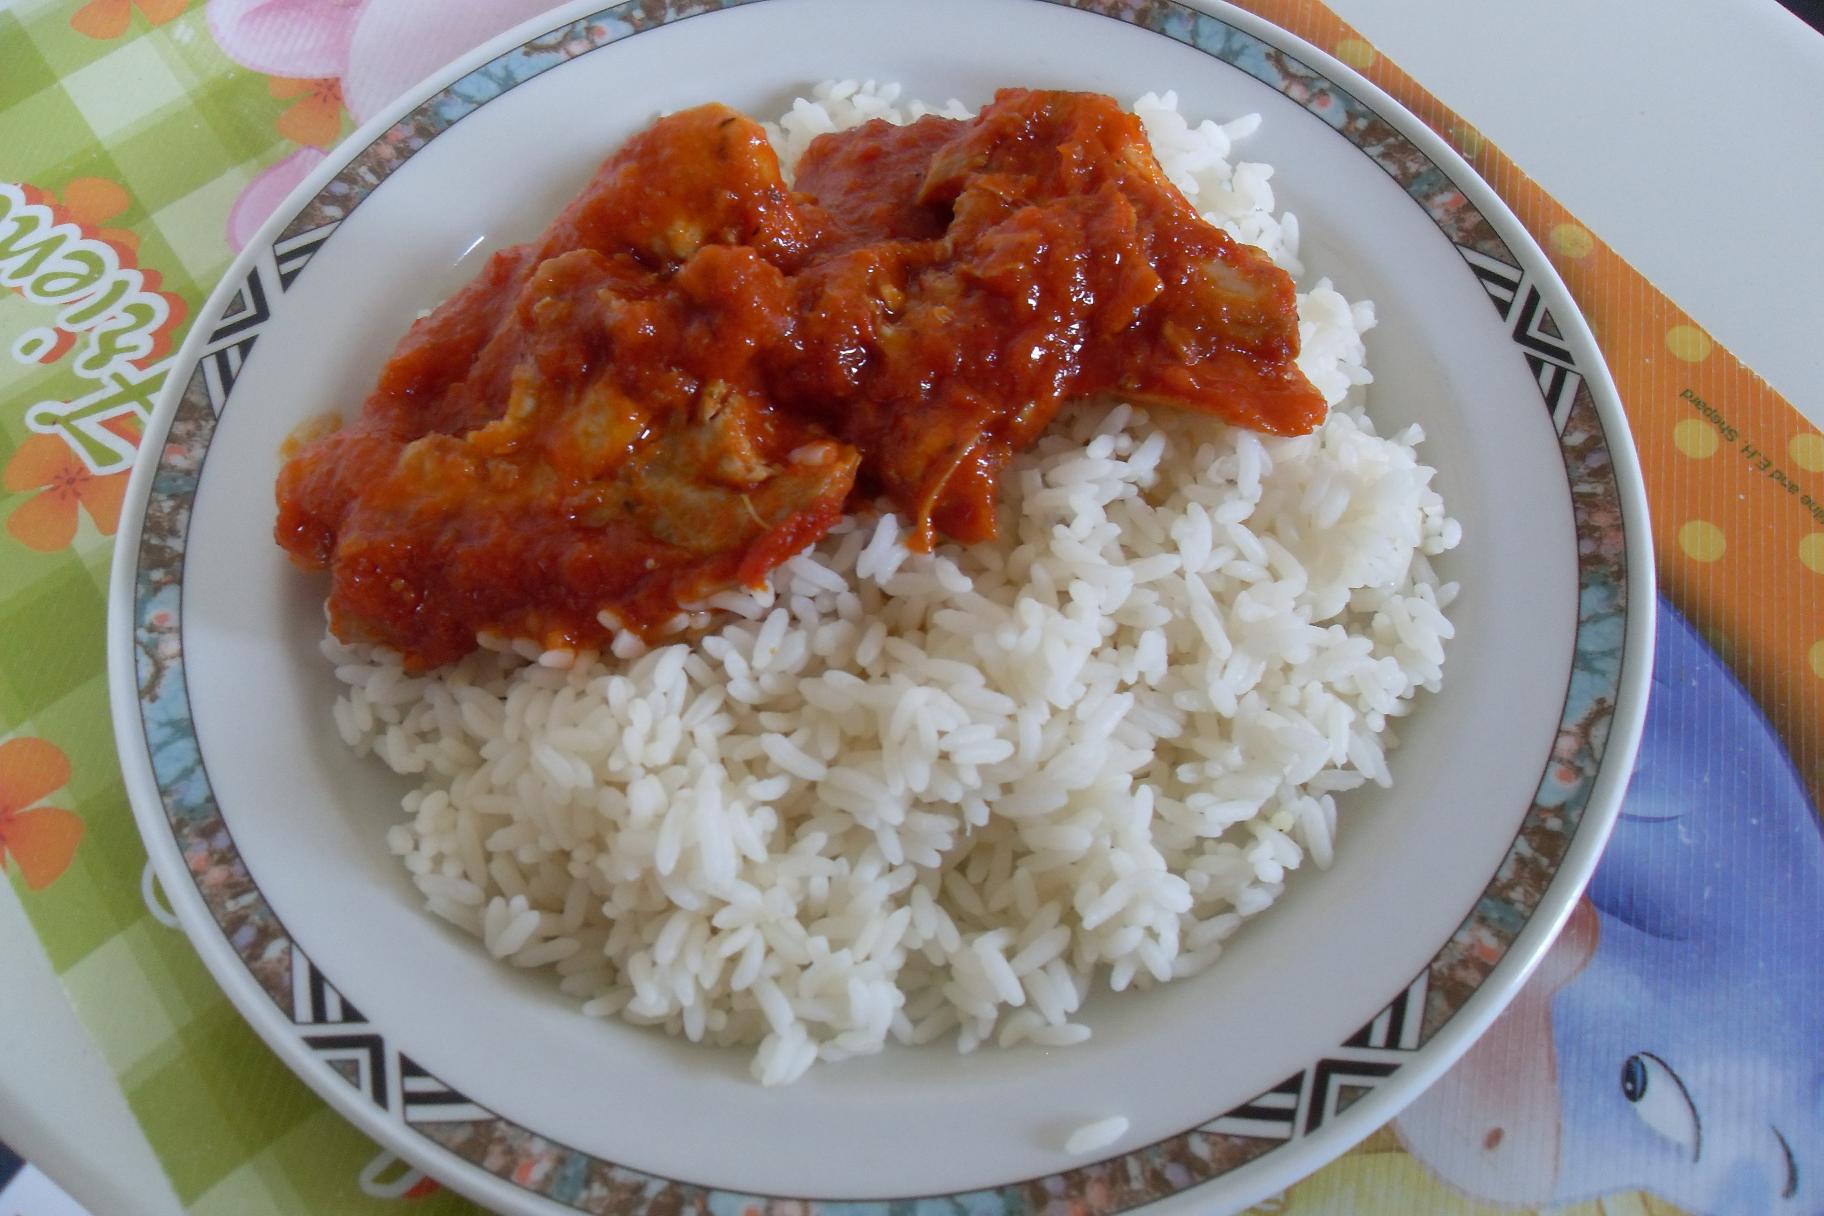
(397, 43)
(265, 192)
(41, 840)
(296, 38)
(375, 49)
(330, 53)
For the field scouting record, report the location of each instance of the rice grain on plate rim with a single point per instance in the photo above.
(902, 797)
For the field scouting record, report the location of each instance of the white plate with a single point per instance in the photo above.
(1325, 1017)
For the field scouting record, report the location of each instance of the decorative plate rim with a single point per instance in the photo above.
(1253, 1149)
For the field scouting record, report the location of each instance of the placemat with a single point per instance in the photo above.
(1667, 1056)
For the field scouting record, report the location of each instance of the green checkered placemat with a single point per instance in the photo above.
(127, 137)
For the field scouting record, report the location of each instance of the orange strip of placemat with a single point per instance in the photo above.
(1732, 469)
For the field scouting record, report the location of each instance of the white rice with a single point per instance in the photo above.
(1099, 1134)
(905, 797)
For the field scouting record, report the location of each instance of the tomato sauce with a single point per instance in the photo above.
(697, 368)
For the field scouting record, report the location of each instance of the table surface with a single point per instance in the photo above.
(1642, 109)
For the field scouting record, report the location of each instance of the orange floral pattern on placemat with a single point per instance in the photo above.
(105, 19)
(1733, 472)
(39, 840)
(59, 483)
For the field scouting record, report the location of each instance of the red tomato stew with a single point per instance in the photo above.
(697, 368)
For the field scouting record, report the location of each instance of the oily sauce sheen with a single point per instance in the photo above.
(696, 369)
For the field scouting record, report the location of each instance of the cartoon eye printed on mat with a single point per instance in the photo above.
(1661, 1101)
(1698, 936)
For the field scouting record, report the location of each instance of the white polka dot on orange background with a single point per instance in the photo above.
(1689, 343)
(1807, 451)
(1572, 240)
(1811, 552)
(1356, 53)
(1695, 438)
(1701, 540)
